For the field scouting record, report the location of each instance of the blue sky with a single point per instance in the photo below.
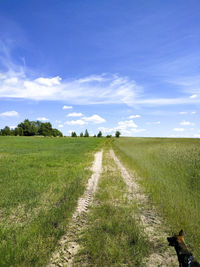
(108, 65)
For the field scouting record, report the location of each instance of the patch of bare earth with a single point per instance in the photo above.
(68, 245)
(151, 221)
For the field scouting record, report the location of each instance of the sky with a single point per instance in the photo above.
(108, 65)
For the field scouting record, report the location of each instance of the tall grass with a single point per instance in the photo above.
(170, 173)
(40, 180)
(113, 236)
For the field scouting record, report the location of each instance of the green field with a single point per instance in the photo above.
(169, 171)
(41, 180)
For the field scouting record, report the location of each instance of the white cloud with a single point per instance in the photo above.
(178, 129)
(154, 122)
(94, 119)
(193, 96)
(12, 80)
(60, 126)
(196, 135)
(193, 112)
(12, 127)
(127, 124)
(67, 107)
(183, 112)
(49, 81)
(74, 114)
(92, 78)
(77, 122)
(134, 116)
(42, 119)
(126, 128)
(12, 113)
(94, 89)
(186, 123)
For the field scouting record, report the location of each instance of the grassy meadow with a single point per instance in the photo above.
(169, 171)
(40, 180)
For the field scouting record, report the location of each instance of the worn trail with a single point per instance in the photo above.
(68, 245)
(151, 221)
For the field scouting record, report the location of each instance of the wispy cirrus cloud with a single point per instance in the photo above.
(96, 89)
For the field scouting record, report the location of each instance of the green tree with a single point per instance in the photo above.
(99, 134)
(56, 132)
(117, 134)
(29, 128)
(86, 133)
(81, 134)
(6, 131)
(73, 134)
(45, 129)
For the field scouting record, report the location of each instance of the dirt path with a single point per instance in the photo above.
(162, 255)
(68, 246)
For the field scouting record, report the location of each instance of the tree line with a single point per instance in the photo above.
(31, 128)
(86, 134)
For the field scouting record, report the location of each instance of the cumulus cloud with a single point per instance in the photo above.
(94, 119)
(42, 119)
(134, 116)
(153, 122)
(186, 123)
(48, 81)
(74, 114)
(127, 128)
(76, 122)
(11, 113)
(60, 126)
(127, 124)
(67, 107)
(179, 129)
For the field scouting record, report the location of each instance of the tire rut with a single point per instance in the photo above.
(151, 221)
(68, 245)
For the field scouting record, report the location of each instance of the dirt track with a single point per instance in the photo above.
(68, 247)
(148, 218)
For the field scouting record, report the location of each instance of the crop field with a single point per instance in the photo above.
(41, 180)
(169, 171)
